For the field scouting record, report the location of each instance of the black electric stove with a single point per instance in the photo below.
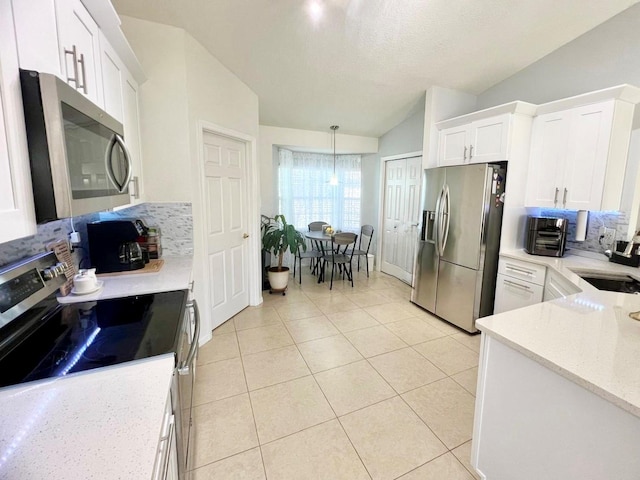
(47, 339)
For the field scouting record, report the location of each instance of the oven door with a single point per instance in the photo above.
(187, 355)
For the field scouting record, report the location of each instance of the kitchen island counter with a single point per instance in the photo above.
(559, 381)
(175, 274)
(587, 337)
(101, 423)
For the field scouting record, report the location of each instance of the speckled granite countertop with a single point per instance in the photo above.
(587, 337)
(175, 274)
(100, 424)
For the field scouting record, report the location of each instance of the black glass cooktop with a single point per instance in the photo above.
(53, 340)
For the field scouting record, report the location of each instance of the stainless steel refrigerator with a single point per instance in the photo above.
(457, 260)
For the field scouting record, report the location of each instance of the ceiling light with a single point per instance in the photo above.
(334, 177)
(315, 9)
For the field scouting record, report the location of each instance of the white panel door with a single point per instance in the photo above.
(226, 207)
(401, 215)
(395, 171)
(411, 215)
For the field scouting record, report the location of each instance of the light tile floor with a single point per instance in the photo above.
(352, 383)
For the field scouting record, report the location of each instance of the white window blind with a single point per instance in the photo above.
(306, 196)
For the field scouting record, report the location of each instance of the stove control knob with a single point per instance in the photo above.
(60, 268)
(48, 274)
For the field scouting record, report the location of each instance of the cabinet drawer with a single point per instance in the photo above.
(556, 286)
(512, 293)
(529, 272)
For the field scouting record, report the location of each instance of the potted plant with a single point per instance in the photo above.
(277, 237)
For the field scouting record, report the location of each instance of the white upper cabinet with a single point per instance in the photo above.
(489, 139)
(113, 78)
(549, 141)
(131, 122)
(480, 141)
(81, 42)
(452, 146)
(481, 137)
(79, 49)
(579, 156)
(17, 216)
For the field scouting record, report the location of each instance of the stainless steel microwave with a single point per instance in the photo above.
(79, 161)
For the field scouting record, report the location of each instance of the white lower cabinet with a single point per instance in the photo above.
(519, 284)
(512, 293)
(166, 466)
(532, 423)
(556, 286)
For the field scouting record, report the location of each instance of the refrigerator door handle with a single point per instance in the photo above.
(446, 216)
(438, 227)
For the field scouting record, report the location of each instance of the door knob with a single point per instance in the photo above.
(245, 235)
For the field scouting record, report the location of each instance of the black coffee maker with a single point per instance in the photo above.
(113, 245)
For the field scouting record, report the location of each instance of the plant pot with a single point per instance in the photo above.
(278, 279)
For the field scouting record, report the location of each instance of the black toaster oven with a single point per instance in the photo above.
(546, 236)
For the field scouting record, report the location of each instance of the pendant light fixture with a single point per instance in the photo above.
(334, 177)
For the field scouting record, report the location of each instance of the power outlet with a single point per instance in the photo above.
(607, 236)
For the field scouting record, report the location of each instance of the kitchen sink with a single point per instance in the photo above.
(612, 282)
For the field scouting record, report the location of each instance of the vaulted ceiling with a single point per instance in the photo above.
(364, 64)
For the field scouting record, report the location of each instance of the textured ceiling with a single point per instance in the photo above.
(364, 64)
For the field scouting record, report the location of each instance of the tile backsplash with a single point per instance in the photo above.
(616, 220)
(174, 219)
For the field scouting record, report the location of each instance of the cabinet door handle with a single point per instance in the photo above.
(74, 58)
(564, 198)
(555, 197)
(516, 285)
(464, 154)
(82, 85)
(470, 152)
(519, 270)
(136, 187)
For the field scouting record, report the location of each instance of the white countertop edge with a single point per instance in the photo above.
(568, 374)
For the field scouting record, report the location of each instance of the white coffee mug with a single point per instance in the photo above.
(85, 280)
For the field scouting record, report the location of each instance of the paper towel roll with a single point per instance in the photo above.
(581, 225)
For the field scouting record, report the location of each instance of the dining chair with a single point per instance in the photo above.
(313, 255)
(341, 255)
(366, 233)
(317, 226)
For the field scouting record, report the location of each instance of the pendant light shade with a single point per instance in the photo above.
(334, 177)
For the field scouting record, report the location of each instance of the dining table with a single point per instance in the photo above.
(320, 237)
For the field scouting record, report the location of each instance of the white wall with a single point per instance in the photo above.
(163, 109)
(605, 56)
(271, 138)
(441, 104)
(215, 94)
(186, 85)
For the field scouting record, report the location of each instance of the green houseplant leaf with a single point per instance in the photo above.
(278, 236)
